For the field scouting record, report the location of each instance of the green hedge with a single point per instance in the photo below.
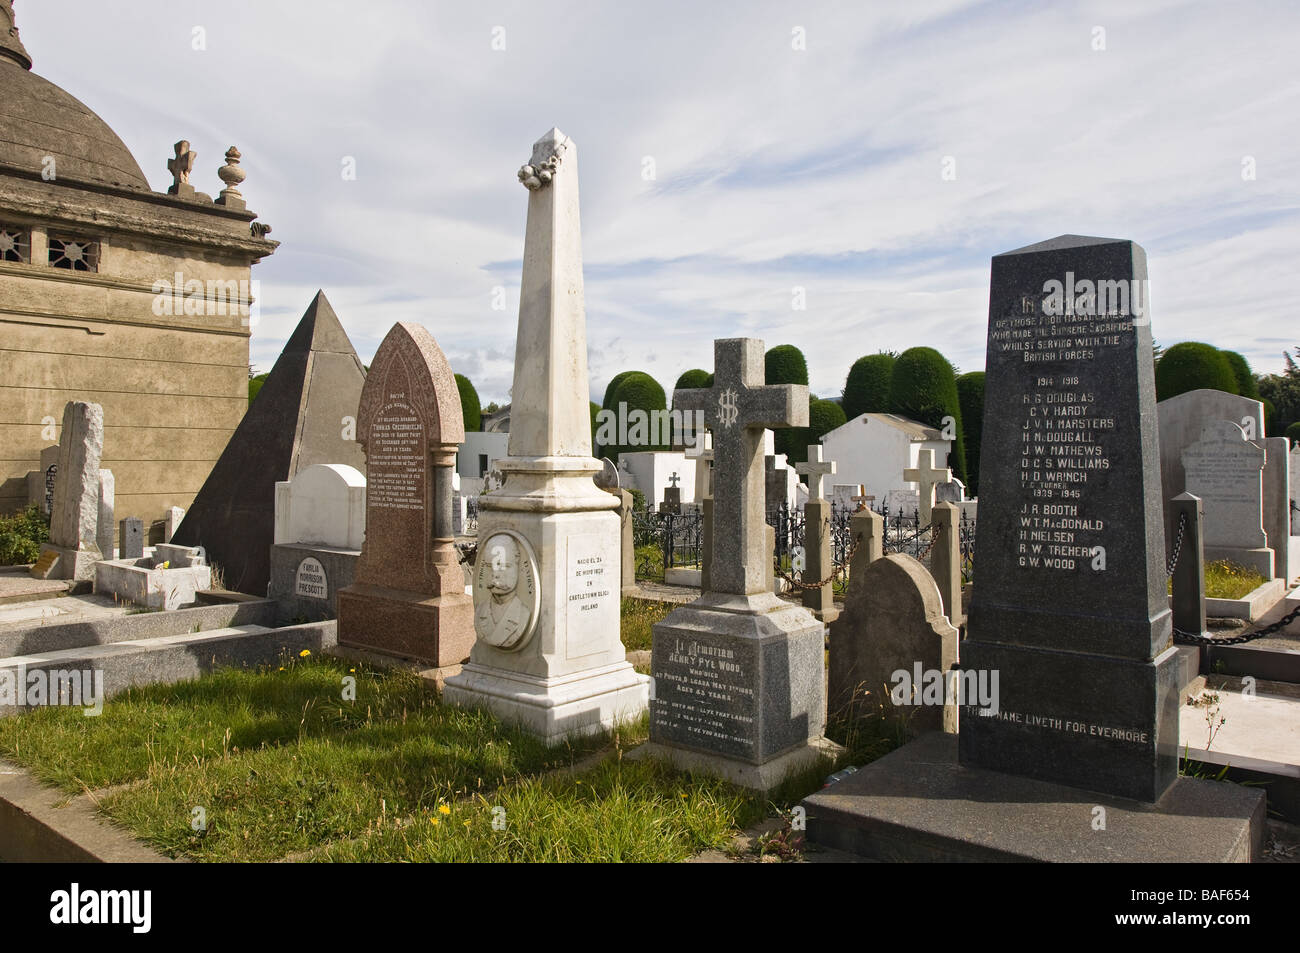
(924, 388)
(866, 390)
(21, 536)
(470, 408)
(1192, 365)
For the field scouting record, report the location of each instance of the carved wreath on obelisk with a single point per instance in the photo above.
(536, 175)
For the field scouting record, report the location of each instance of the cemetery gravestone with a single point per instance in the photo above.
(894, 621)
(105, 525)
(1224, 469)
(172, 521)
(320, 527)
(130, 539)
(547, 575)
(738, 674)
(1275, 487)
(1294, 481)
(1070, 606)
(817, 536)
(74, 516)
(1182, 418)
(927, 476)
(672, 497)
(408, 598)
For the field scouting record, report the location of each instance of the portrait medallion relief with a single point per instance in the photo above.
(505, 591)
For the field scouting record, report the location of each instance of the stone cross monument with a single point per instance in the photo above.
(761, 658)
(547, 577)
(817, 536)
(927, 476)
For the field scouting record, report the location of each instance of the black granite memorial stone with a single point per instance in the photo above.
(1070, 607)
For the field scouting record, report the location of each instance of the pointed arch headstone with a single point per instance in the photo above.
(409, 597)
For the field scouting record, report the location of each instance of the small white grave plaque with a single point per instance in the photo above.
(311, 581)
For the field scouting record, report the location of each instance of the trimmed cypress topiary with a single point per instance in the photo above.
(1241, 372)
(924, 388)
(470, 409)
(640, 391)
(785, 364)
(694, 379)
(866, 390)
(970, 395)
(1192, 365)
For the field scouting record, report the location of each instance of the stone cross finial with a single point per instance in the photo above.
(674, 478)
(232, 175)
(927, 476)
(181, 167)
(738, 408)
(816, 469)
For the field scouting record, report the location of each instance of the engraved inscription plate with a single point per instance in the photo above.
(310, 580)
(592, 602)
(704, 694)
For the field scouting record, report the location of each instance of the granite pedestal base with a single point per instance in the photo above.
(76, 564)
(740, 681)
(554, 708)
(435, 629)
(1095, 722)
(919, 804)
(762, 778)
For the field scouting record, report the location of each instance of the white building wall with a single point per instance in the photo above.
(875, 454)
(470, 457)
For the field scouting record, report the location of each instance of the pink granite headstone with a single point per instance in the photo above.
(408, 597)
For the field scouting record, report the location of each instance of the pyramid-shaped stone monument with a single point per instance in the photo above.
(304, 414)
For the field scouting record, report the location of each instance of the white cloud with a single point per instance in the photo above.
(775, 167)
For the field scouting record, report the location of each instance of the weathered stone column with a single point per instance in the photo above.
(945, 558)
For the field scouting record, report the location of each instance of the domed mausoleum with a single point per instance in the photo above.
(113, 293)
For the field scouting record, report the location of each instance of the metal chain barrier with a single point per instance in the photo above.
(1178, 545)
(848, 558)
(1195, 638)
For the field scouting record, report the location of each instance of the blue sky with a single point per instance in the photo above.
(775, 167)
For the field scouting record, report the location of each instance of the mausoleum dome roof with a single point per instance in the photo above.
(38, 119)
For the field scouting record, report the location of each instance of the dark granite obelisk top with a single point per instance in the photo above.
(1069, 604)
(1069, 512)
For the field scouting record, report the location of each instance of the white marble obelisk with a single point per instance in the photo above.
(547, 576)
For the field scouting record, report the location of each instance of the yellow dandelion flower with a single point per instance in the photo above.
(467, 823)
(434, 821)
(304, 653)
(444, 810)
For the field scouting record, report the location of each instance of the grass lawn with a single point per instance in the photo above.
(1226, 580)
(257, 765)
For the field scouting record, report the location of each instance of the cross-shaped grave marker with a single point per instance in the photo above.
(673, 479)
(738, 408)
(181, 167)
(816, 469)
(927, 476)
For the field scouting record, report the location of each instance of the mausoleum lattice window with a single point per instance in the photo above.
(75, 254)
(15, 244)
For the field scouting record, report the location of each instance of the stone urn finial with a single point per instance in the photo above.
(232, 175)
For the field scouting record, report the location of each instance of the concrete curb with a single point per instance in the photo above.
(39, 825)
